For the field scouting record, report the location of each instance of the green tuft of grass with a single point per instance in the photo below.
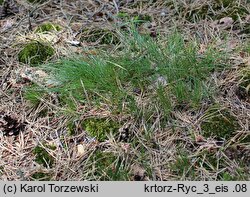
(35, 53)
(140, 64)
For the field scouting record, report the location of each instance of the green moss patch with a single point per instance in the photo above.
(43, 157)
(219, 123)
(48, 27)
(100, 128)
(100, 36)
(35, 53)
(1, 2)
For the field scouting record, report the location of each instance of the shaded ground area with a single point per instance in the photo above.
(137, 120)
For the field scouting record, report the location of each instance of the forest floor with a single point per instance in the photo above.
(125, 90)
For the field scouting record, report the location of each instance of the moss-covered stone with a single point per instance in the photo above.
(100, 128)
(1, 2)
(100, 36)
(48, 27)
(43, 157)
(35, 53)
(219, 123)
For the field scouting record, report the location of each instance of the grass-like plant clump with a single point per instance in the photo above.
(141, 76)
(173, 73)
